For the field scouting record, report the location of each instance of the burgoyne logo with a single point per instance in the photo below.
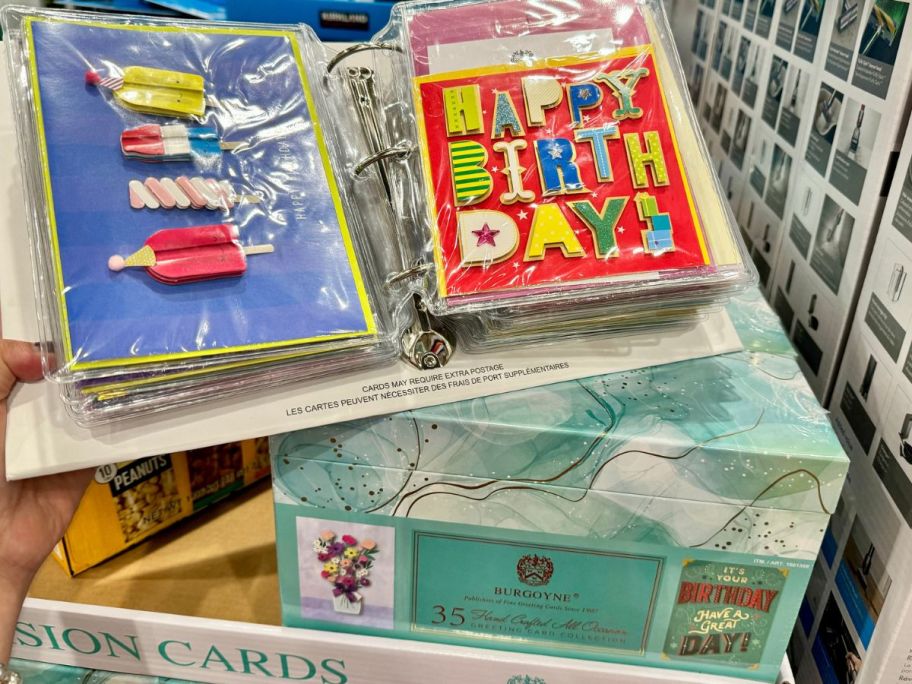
(535, 571)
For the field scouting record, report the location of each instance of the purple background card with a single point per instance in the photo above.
(316, 593)
(307, 288)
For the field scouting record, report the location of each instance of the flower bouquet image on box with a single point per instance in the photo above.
(344, 572)
(346, 566)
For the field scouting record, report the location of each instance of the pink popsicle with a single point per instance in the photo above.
(197, 201)
(219, 190)
(184, 255)
(161, 194)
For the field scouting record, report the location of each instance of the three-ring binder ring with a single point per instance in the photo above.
(416, 270)
(400, 151)
(359, 47)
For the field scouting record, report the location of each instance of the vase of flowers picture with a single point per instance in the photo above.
(346, 567)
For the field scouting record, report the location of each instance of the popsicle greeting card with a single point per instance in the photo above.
(273, 193)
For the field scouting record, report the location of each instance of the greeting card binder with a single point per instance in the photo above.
(504, 172)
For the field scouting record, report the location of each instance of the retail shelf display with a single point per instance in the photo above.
(857, 613)
(211, 613)
(803, 105)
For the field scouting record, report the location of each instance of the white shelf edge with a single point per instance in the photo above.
(207, 650)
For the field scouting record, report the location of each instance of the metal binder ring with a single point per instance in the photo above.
(416, 270)
(400, 151)
(359, 47)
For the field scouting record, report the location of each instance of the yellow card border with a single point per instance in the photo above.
(114, 390)
(550, 62)
(371, 326)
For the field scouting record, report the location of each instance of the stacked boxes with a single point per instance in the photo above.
(129, 502)
(803, 104)
(667, 516)
(857, 615)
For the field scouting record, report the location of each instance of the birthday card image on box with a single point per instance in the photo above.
(192, 209)
(555, 173)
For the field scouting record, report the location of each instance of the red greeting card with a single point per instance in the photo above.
(554, 174)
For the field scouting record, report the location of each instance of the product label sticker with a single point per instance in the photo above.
(823, 129)
(800, 236)
(857, 418)
(554, 173)
(777, 190)
(544, 593)
(894, 477)
(902, 217)
(740, 65)
(855, 146)
(888, 331)
(879, 46)
(765, 18)
(804, 342)
(723, 612)
(831, 244)
(785, 33)
(809, 29)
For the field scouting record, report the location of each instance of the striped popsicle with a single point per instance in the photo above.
(184, 192)
(173, 142)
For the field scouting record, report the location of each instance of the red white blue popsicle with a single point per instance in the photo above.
(172, 142)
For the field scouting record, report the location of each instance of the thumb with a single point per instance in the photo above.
(19, 361)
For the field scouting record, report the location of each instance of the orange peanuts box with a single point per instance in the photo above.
(129, 502)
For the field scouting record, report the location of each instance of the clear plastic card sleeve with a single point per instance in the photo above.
(552, 156)
(214, 206)
(195, 215)
(188, 199)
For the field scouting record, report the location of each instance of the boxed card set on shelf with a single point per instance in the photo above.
(667, 516)
(218, 207)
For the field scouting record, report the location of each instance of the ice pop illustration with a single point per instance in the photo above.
(154, 91)
(184, 192)
(174, 142)
(174, 256)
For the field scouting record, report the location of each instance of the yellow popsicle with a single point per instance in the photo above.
(156, 91)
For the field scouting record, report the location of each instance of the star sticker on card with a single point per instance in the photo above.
(586, 118)
(485, 236)
(585, 95)
(554, 151)
(495, 169)
(621, 229)
(523, 214)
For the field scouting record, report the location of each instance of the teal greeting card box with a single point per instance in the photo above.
(667, 516)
